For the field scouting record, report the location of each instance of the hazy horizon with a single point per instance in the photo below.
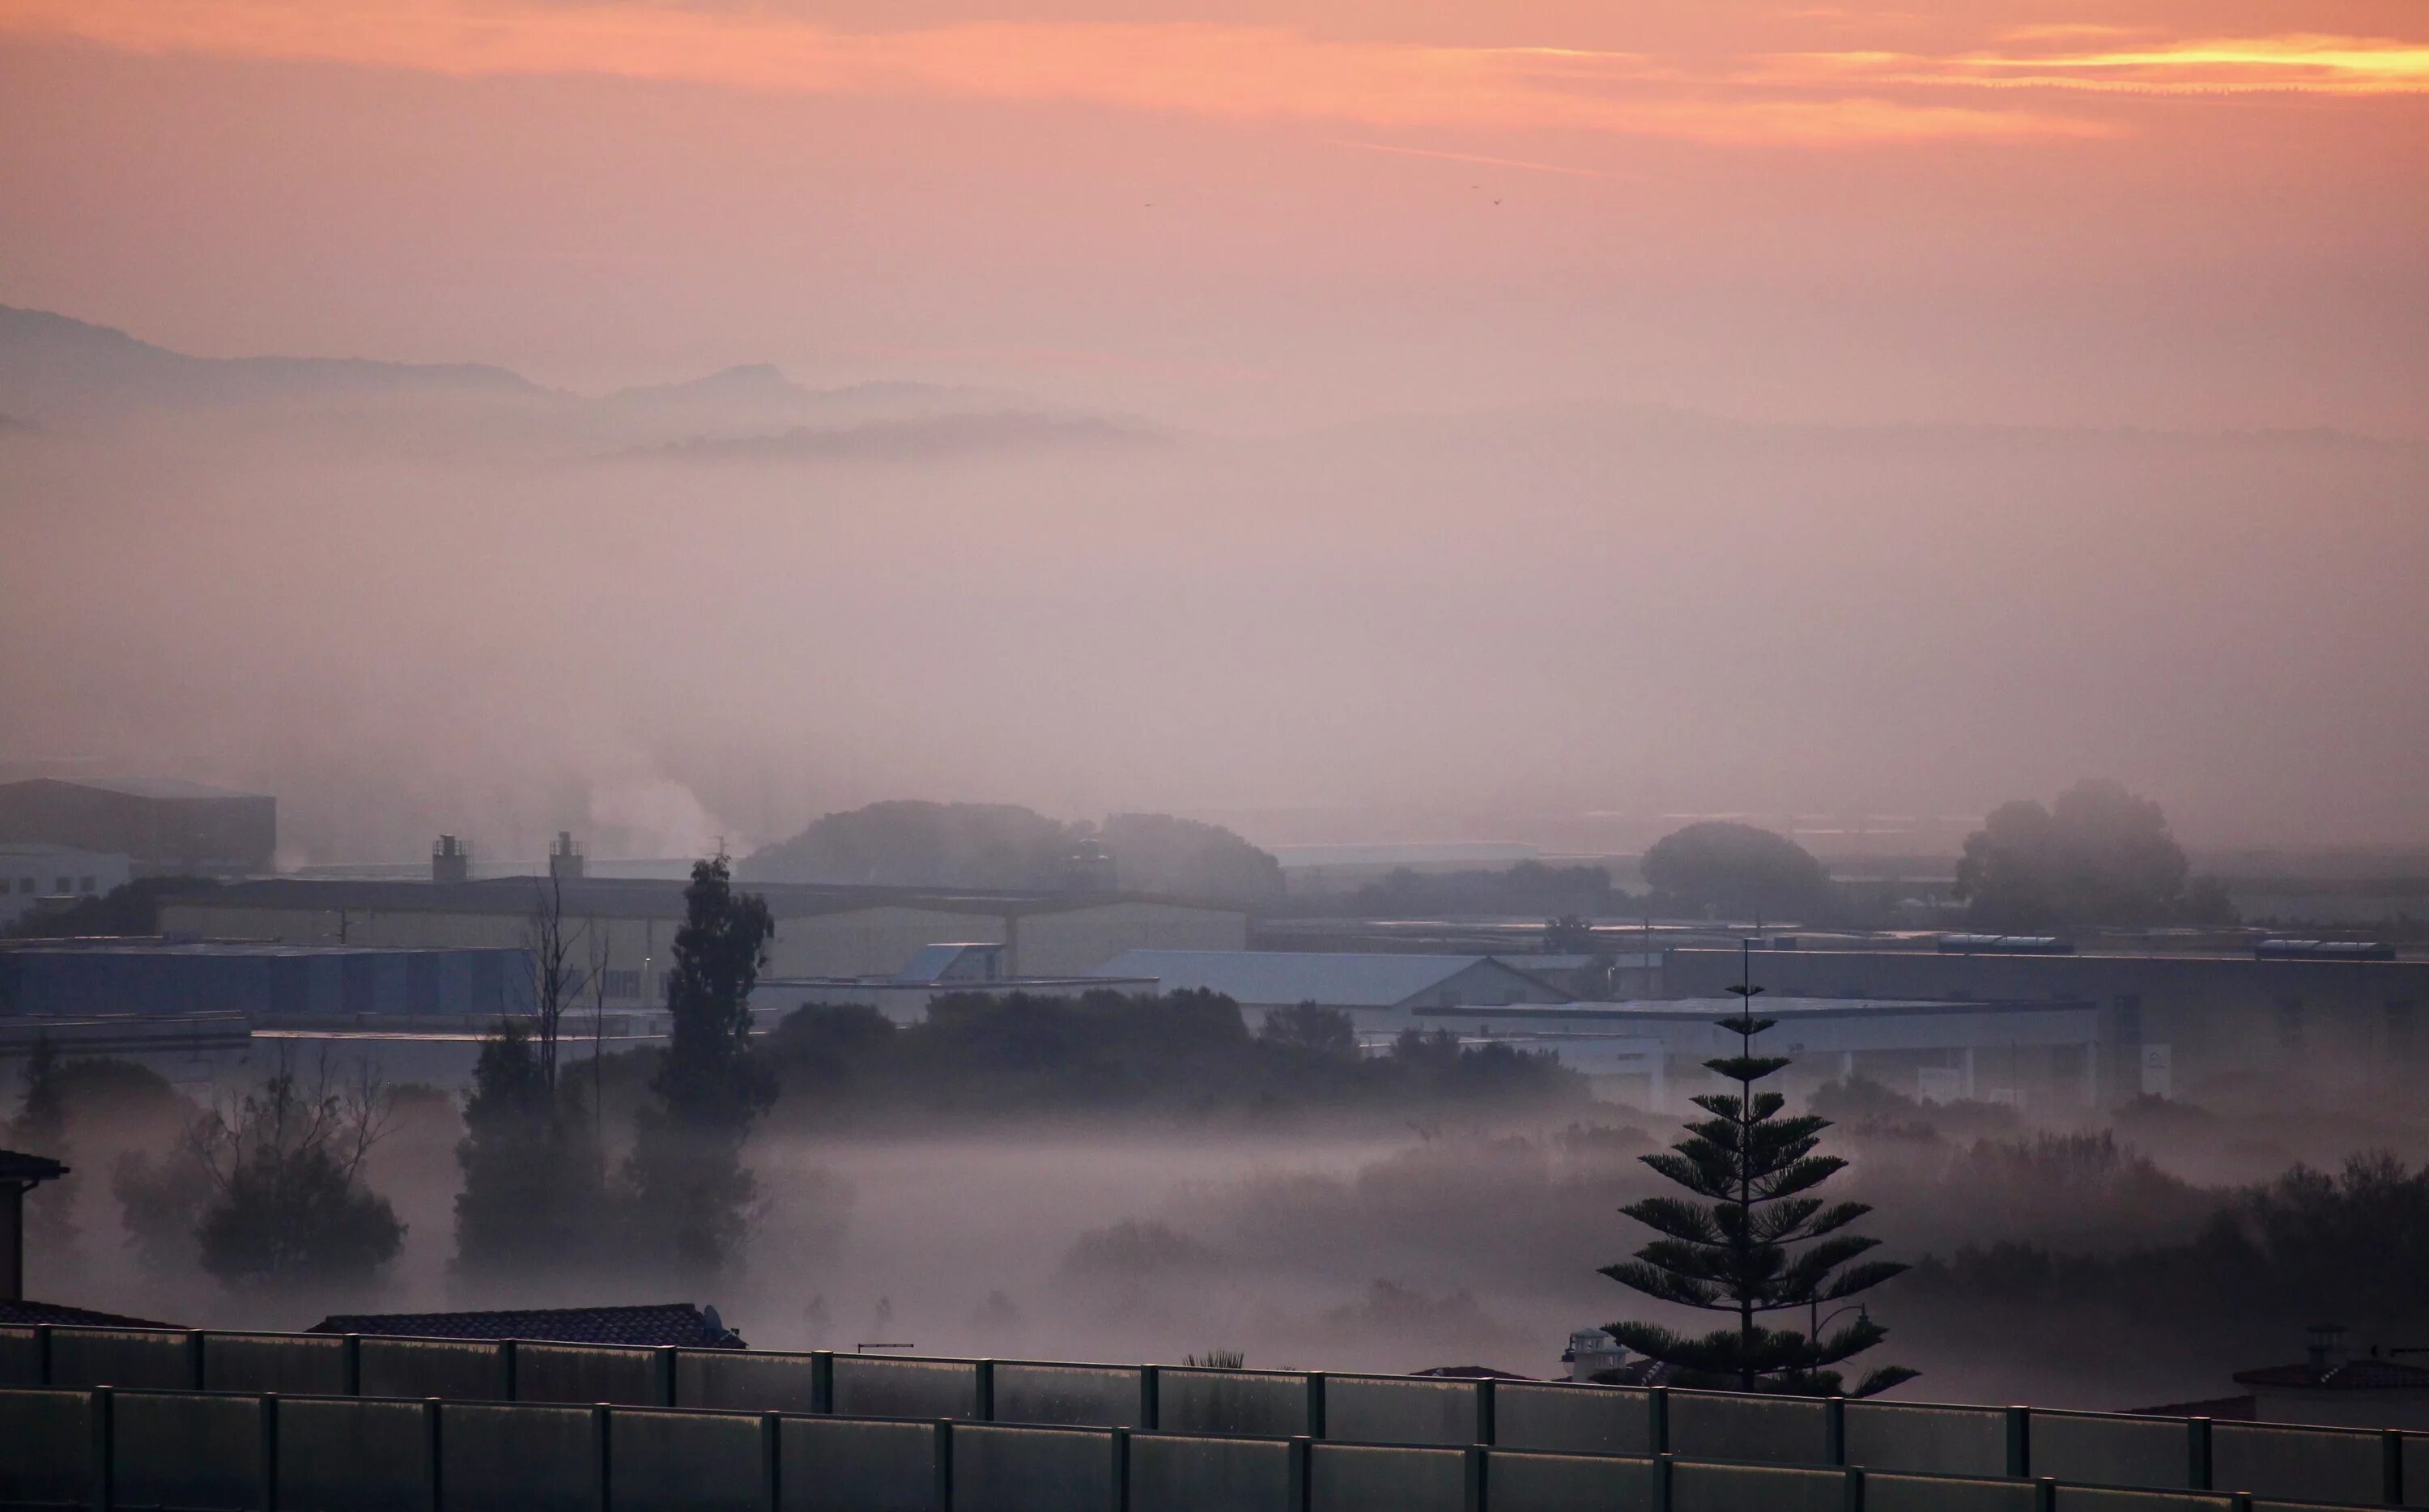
(1349, 423)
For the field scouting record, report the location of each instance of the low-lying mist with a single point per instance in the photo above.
(2107, 1263)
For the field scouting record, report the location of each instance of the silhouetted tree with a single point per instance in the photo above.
(686, 1168)
(1312, 1027)
(287, 1205)
(1737, 870)
(1757, 1243)
(535, 1192)
(2099, 855)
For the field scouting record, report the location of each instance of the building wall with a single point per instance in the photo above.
(2177, 1025)
(872, 942)
(28, 875)
(1066, 942)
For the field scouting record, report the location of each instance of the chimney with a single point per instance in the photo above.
(450, 862)
(2328, 1346)
(564, 858)
(19, 1175)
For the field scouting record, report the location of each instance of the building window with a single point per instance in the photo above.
(84, 884)
(63, 888)
(25, 884)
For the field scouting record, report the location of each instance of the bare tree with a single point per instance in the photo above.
(556, 980)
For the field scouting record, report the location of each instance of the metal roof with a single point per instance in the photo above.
(633, 897)
(1273, 978)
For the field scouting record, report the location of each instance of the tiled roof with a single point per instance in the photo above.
(2364, 1374)
(2232, 1408)
(673, 1323)
(26, 1314)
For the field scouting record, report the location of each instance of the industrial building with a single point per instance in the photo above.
(165, 826)
(102, 978)
(624, 928)
(1383, 993)
(2173, 1026)
(945, 970)
(36, 875)
(1651, 1053)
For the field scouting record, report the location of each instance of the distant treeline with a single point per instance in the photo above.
(1186, 1052)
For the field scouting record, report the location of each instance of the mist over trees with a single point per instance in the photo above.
(2099, 855)
(693, 1192)
(285, 1204)
(1528, 889)
(1737, 870)
(914, 843)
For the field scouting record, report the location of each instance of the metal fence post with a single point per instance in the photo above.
(2045, 1495)
(1151, 1409)
(602, 1439)
(984, 1389)
(1485, 1410)
(1476, 1489)
(2391, 1455)
(771, 1462)
(665, 1373)
(1657, 1418)
(1299, 1472)
(2019, 1442)
(269, 1410)
(350, 1355)
(1119, 1499)
(1665, 1476)
(506, 1384)
(943, 1465)
(195, 1358)
(1834, 1431)
(430, 1421)
(822, 1380)
(2197, 1453)
(1315, 1404)
(102, 1417)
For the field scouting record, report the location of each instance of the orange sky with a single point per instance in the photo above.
(2162, 213)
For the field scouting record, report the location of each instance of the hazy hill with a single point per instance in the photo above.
(52, 367)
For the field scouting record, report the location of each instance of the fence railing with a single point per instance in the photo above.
(1542, 1435)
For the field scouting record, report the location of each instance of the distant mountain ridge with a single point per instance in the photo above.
(54, 365)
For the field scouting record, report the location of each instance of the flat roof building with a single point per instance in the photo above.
(625, 927)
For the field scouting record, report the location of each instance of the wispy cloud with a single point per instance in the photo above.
(1238, 72)
(1479, 160)
(2301, 63)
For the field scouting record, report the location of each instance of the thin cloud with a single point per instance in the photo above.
(2299, 64)
(1474, 158)
(1236, 72)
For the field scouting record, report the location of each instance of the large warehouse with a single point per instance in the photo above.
(164, 826)
(627, 927)
(2183, 1025)
(1382, 992)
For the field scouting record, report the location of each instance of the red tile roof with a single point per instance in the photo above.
(673, 1323)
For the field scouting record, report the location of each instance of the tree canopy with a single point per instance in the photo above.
(2098, 855)
(1737, 870)
(913, 842)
